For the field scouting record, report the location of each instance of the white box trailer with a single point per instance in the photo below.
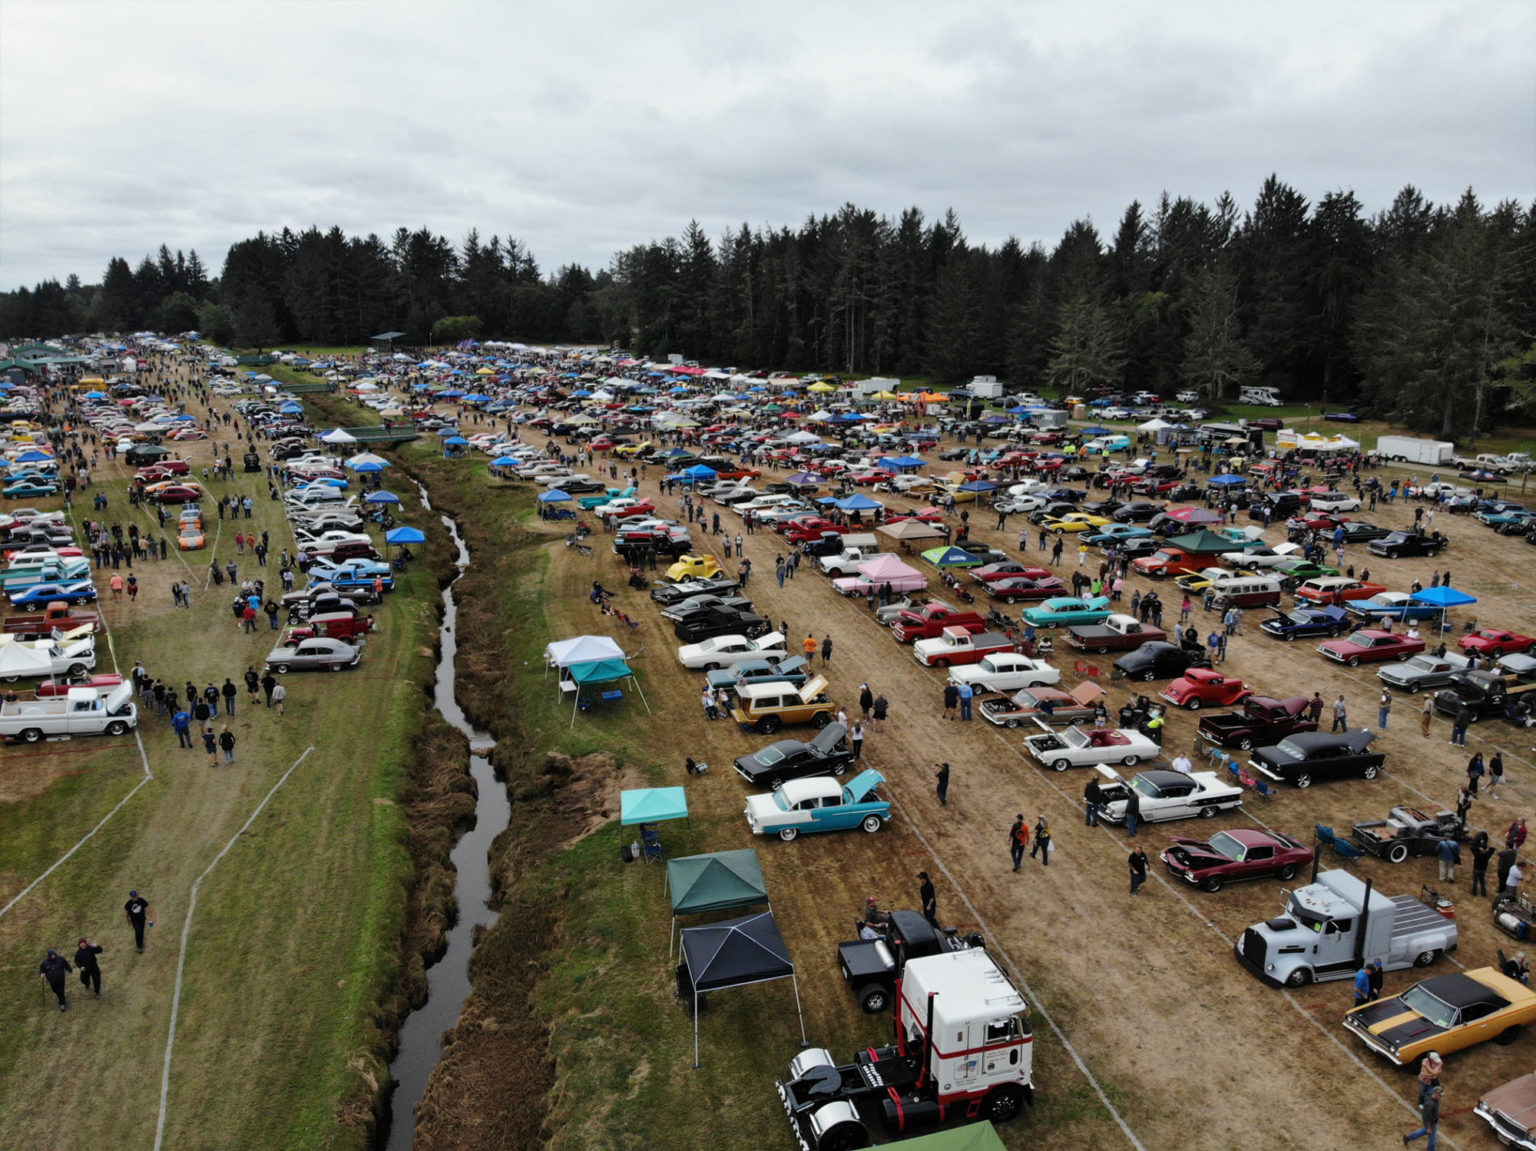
(1411, 449)
(985, 387)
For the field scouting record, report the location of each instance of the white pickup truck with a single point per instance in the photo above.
(35, 659)
(81, 712)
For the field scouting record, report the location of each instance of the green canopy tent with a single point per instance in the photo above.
(719, 881)
(1206, 542)
(595, 672)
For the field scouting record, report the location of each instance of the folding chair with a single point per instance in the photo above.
(1264, 790)
(650, 841)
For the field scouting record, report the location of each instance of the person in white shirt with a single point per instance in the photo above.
(1182, 765)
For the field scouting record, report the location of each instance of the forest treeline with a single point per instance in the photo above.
(1422, 313)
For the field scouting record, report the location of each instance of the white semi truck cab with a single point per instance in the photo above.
(1333, 927)
(963, 1052)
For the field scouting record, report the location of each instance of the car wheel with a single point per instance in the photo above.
(1193, 704)
(1397, 853)
(787, 834)
(82, 600)
(1131, 760)
(32, 735)
(1354, 661)
(1303, 780)
(1245, 743)
(1101, 651)
(1011, 723)
(1290, 637)
(775, 783)
(1148, 676)
(281, 668)
(1213, 884)
(1060, 764)
(873, 998)
(871, 823)
(768, 725)
(1393, 553)
(821, 720)
(1299, 978)
(1425, 958)
(1004, 1103)
(1287, 872)
(116, 727)
(1475, 717)
(1370, 772)
(1507, 1036)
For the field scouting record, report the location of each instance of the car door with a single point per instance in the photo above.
(1175, 801)
(1258, 860)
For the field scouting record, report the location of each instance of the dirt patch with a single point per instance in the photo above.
(31, 772)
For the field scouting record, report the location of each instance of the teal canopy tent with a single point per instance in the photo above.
(719, 881)
(596, 672)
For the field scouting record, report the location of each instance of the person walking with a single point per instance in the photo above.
(1042, 842)
(1340, 715)
(1429, 1118)
(136, 910)
(1362, 985)
(1495, 773)
(1383, 709)
(227, 744)
(967, 696)
(809, 644)
(268, 682)
(252, 686)
(1426, 713)
(866, 700)
(1512, 880)
(53, 969)
(211, 745)
(1429, 1075)
(1475, 771)
(1018, 839)
(1515, 835)
(942, 775)
(1482, 854)
(856, 740)
(1056, 551)
(1315, 707)
(928, 900)
(279, 693)
(826, 650)
(181, 723)
(1138, 865)
(1093, 800)
(85, 962)
(228, 691)
(211, 697)
(1449, 854)
(1459, 726)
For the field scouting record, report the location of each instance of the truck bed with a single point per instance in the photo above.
(1413, 916)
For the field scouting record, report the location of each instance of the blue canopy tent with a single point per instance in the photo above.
(1443, 598)
(381, 498)
(734, 953)
(978, 486)
(555, 496)
(1226, 481)
(596, 672)
(858, 502)
(405, 535)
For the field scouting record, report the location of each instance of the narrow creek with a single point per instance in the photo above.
(448, 979)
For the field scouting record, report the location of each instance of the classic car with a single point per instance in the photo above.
(1492, 642)
(1305, 622)
(693, 567)
(1006, 671)
(1115, 532)
(1159, 661)
(1391, 605)
(320, 654)
(770, 669)
(1138, 511)
(353, 573)
(174, 493)
(1481, 693)
(1077, 522)
(1446, 1013)
(1337, 590)
(786, 759)
(1265, 557)
(1016, 589)
(704, 600)
(1140, 546)
(767, 707)
(1231, 856)
(1294, 570)
(1262, 721)
(1408, 544)
(41, 594)
(1310, 756)
(1044, 704)
(1090, 746)
(102, 684)
(1063, 611)
(1408, 831)
(1360, 532)
(1335, 502)
(820, 803)
(1370, 646)
(1421, 671)
(702, 624)
(1197, 581)
(27, 489)
(1163, 795)
(319, 543)
(1008, 569)
(1203, 687)
(724, 650)
(1511, 1111)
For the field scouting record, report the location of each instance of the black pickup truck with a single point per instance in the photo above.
(872, 966)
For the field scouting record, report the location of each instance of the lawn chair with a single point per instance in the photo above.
(1347, 851)
(650, 841)
(1265, 791)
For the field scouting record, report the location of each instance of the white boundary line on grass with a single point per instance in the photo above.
(186, 931)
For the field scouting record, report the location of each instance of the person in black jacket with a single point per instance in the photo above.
(928, 899)
(53, 969)
(85, 962)
(228, 691)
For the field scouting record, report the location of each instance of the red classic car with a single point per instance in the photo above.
(1200, 686)
(737, 473)
(1316, 521)
(1013, 589)
(1230, 856)
(1008, 569)
(178, 494)
(807, 531)
(1490, 641)
(1336, 590)
(1370, 646)
(61, 686)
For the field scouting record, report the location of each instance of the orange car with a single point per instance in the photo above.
(1336, 591)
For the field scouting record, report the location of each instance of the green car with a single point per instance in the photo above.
(1066, 610)
(1296, 570)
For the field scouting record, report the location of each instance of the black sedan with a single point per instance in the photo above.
(1303, 759)
(1159, 661)
(1409, 544)
(1137, 512)
(1306, 623)
(1360, 532)
(720, 621)
(702, 602)
(1140, 546)
(827, 754)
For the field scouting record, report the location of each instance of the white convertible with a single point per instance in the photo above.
(1006, 671)
(724, 650)
(1089, 746)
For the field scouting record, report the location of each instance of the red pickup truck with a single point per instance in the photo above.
(930, 620)
(56, 616)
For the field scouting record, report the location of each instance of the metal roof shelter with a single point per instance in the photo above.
(387, 339)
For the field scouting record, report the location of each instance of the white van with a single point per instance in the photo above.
(1246, 591)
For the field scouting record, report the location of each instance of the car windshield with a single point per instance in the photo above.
(1290, 749)
(1223, 844)
(1436, 1011)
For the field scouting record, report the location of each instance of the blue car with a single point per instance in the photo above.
(1391, 605)
(1306, 623)
(1064, 611)
(42, 594)
(820, 803)
(791, 671)
(27, 489)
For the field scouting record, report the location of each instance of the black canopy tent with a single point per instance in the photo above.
(734, 953)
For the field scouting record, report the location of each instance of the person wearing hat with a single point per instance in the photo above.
(85, 961)
(137, 911)
(873, 916)
(53, 969)
(1429, 1075)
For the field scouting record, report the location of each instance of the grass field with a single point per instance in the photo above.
(295, 943)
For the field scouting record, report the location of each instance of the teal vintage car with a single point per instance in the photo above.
(821, 803)
(1113, 533)
(27, 489)
(1066, 610)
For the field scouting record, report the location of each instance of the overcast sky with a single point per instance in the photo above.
(584, 127)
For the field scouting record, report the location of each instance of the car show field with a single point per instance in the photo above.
(1107, 1071)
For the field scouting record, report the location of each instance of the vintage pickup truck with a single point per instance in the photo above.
(930, 620)
(957, 645)
(1117, 633)
(69, 654)
(56, 616)
(81, 712)
(1263, 721)
(1407, 831)
(15, 579)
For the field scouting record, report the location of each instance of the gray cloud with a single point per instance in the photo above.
(588, 126)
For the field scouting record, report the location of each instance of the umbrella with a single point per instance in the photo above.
(405, 535)
(381, 498)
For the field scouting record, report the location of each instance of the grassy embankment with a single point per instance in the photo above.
(282, 1039)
